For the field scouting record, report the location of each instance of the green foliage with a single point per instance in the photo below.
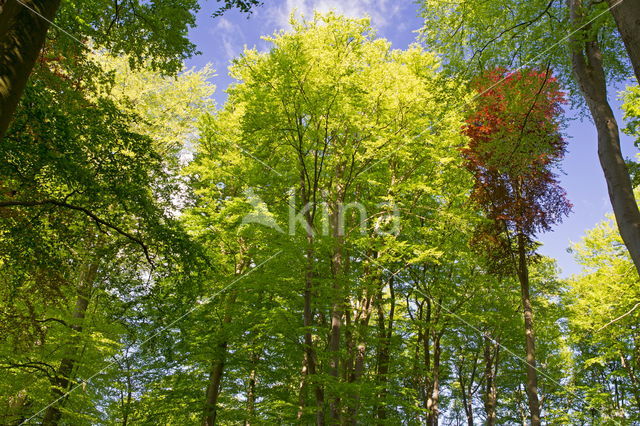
(473, 37)
(156, 250)
(89, 179)
(602, 318)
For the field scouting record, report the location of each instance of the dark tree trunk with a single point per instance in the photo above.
(532, 374)
(627, 16)
(466, 386)
(217, 366)
(385, 333)
(22, 35)
(309, 367)
(63, 378)
(362, 323)
(467, 401)
(126, 409)
(433, 390)
(310, 353)
(586, 59)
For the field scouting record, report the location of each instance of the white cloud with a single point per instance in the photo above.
(226, 25)
(230, 36)
(380, 11)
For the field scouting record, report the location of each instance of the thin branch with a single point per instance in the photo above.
(96, 219)
(619, 318)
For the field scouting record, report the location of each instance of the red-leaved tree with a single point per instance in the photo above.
(514, 149)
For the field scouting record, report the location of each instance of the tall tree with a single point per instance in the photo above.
(312, 117)
(627, 17)
(589, 71)
(73, 247)
(587, 59)
(512, 162)
(603, 313)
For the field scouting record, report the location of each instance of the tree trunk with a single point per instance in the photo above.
(466, 387)
(303, 388)
(337, 310)
(433, 394)
(627, 16)
(491, 352)
(467, 401)
(586, 59)
(217, 366)
(309, 359)
(385, 332)
(63, 378)
(22, 35)
(251, 391)
(126, 397)
(362, 324)
(532, 374)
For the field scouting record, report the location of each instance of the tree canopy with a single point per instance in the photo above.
(351, 237)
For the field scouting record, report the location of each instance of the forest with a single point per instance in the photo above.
(351, 237)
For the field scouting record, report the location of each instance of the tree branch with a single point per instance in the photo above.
(94, 217)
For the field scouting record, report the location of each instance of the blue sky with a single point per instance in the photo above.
(224, 38)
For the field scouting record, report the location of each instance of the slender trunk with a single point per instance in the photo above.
(466, 387)
(433, 394)
(310, 360)
(627, 16)
(126, 403)
(491, 352)
(635, 389)
(251, 391)
(466, 398)
(426, 345)
(63, 378)
(358, 370)
(532, 373)
(359, 356)
(349, 361)
(468, 409)
(309, 367)
(586, 59)
(385, 332)
(337, 310)
(217, 366)
(382, 366)
(22, 35)
(303, 388)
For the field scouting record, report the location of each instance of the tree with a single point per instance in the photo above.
(512, 162)
(603, 316)
(154, 32)
(589, 70)
(302, 130)
(75, 235)
(340, 242)
(525, 34)
(627, 17)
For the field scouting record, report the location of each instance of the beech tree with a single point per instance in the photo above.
(317, 112)
(75, 246)
(341, 242)
(476, 36)
(515, 146)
